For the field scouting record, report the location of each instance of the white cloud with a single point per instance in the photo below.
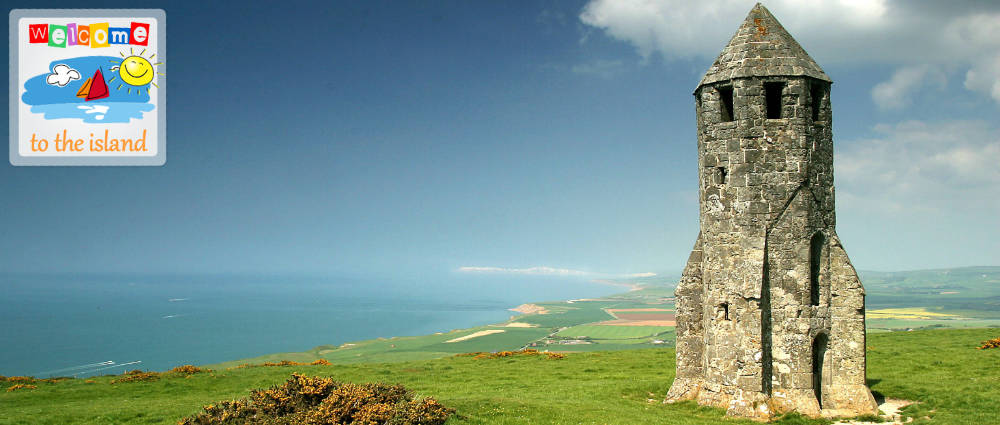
(845, 31)
(905, 82)
(546, 271)
(916, 165)
(984, 76)
(679, 28)
(979, 36)
(61, 75)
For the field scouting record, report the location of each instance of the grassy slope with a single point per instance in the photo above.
(956, 384)
(972, 293)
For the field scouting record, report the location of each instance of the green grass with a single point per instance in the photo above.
(613, 332)
(954, 382)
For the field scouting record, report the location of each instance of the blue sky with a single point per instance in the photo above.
(403, 138)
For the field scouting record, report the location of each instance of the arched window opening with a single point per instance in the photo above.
(815, 251)
(818, 353)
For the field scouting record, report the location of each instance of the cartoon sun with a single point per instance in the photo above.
(136, 71)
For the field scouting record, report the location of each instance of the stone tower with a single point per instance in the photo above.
(770, 311)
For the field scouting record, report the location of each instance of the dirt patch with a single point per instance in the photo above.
(476, 335)
(626, 310)
(891, 408)
(530, 309)
(520, 325)
(622, 322)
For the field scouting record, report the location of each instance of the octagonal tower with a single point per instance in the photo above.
(770, 311)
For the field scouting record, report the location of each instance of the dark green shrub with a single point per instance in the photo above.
(323, 401)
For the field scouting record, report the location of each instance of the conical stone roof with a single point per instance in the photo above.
(762, 47)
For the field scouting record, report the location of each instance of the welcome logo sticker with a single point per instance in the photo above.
(88, 87)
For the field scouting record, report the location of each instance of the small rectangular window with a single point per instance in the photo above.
(772, 95)
(726, 103)
(816, 93)
(723, 312)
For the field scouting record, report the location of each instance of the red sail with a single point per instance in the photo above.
(98, 88)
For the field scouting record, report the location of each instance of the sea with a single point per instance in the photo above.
(93, 324)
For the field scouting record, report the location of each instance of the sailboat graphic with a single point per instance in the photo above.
(94, 87)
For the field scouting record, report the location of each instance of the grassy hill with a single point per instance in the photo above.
(954, 382)
(958, 297)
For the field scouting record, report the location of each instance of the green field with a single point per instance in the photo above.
(954, 383)
(970, 296)
(614, 332)
(972, 292)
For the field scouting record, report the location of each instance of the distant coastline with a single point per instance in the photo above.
(167, 316)
(631, 286)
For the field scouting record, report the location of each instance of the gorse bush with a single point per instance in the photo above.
(320, 362)
(16, 387)
(26, 381)
(136, 376)
(184, 371)
(993, 343)
(323, 401)
(189, 370)
(502, 354)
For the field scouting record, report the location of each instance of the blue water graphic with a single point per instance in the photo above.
(94, 112)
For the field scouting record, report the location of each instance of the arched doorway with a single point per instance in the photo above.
(818, 353)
